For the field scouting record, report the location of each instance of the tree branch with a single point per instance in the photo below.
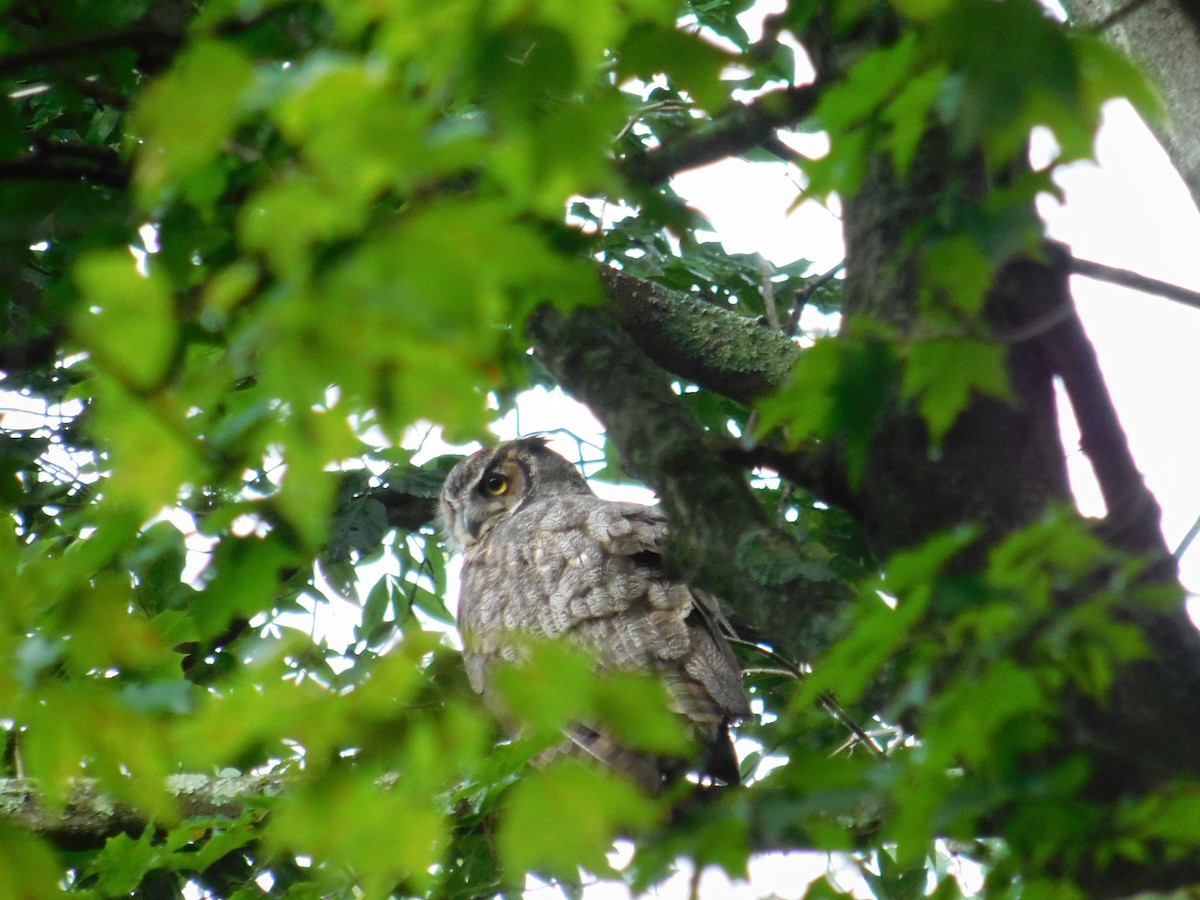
(405, 510)
(736, 131)
(731, 354)
(803, 296)
(1132, 522)
(37, 167)
(140, 36)
(157, 37)
(30, 353)
(87, 817)
(1126, 278)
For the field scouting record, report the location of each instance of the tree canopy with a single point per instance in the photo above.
(250, 248)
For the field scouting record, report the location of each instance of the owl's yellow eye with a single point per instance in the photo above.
(495, 484)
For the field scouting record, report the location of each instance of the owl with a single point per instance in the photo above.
(543, 556)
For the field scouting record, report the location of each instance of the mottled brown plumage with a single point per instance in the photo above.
(544, 556)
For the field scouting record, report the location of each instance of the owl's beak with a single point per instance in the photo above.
(460, 528)
(472, 526)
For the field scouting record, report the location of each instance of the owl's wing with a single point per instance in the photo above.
(703, 663)
(669, 628)
(591, 571)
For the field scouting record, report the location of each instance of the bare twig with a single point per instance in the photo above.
(768, 295)
(1126, 278)
(661, 106)
(1187, 540)
(803, 296)
(828, 701)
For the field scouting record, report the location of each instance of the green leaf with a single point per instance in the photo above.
(879, 629)
(1107, 73)
(360, 525)
(957, 272)
(378, 601)
(921, 10)
(124, 862)
(1060, 542)
(178, 151)
(525, 66)
(246, 574)
(549, 688)
(358, 132)
(177, 697)
(944, 372)
(692, 63)
(384, 834)
(128, 323)
(1172, 817)
(421, 481)
(151, 455)
(908, 114)
(873, 80)
(222, 838)
(589, 809)
(430, 603)
(965, 720)
(28, 866)
(286, 218)
(636, 708)
(837, 390)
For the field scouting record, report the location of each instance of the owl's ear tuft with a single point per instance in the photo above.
(535, 442)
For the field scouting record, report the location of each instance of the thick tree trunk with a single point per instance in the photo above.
(1002, 466)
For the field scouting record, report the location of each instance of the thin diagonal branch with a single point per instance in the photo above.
(803, 296)
(1126, 278)
(1187, 540)
(828, 702)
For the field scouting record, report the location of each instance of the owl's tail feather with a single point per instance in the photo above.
(721, 762)
(650, 772)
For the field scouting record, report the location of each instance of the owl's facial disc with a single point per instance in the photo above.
(498, 491)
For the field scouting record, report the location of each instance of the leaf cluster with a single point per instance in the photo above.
(250, 248)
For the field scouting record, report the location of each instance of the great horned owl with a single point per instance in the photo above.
(544, 556)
